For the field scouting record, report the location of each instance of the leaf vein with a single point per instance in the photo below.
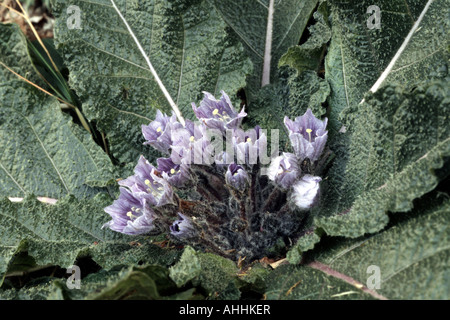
(47, 154)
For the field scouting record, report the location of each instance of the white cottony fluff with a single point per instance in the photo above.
(306, 191)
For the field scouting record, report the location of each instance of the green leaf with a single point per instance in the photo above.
(44, 67)
(42, 151)
(304, 243)
(186, 43)
(52, 233)
(135, 285)
(290, 282)
(308, 55)
(291, 95)
(357, 56)
(187, 268)
(250, 21)
(129, 283)
(396, 140)
(254, 278)
(215, 274)
(35, 291)
(59, 234)
(218, 277)
(412, 255)
(14, 55)
(131, 251)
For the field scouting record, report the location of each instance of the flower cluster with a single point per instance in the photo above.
(308, 137)
(219, 200)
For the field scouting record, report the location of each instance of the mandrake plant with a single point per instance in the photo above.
(232, 206)
(382, 204)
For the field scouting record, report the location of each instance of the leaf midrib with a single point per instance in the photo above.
(12, 178)
(48, 156)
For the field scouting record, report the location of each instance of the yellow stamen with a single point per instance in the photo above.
(129, 214)
(147, 182)
(249, 140)
(159, 129)
(191, 139)
(309, 133)
(172, 171)
(215, 112)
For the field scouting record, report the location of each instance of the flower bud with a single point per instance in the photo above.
(305, 191)
(236, 177)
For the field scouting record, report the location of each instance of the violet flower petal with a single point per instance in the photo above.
(284, 170)
(308, 135)
(158, 132)
(176, 174)
(237, 177)
(146, 183)
(183, 228)
(130, 215)
(218, 114)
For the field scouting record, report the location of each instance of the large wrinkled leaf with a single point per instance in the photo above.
(187, 268)
(185, 42)
(216, 275)
(35, 291)
(14, 55)
(396, 137)
(308, 55)
(392, 154)
(42, 151)
(265, 44)
(357, 55)
(412, 256)
(293, 282)
(59, 234)
(129, 283)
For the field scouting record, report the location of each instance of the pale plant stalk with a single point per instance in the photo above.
(152, 70)
(268, 47)
(38, 38)
(405, 43)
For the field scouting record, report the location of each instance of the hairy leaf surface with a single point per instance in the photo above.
(185, 42)
(42, 151)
